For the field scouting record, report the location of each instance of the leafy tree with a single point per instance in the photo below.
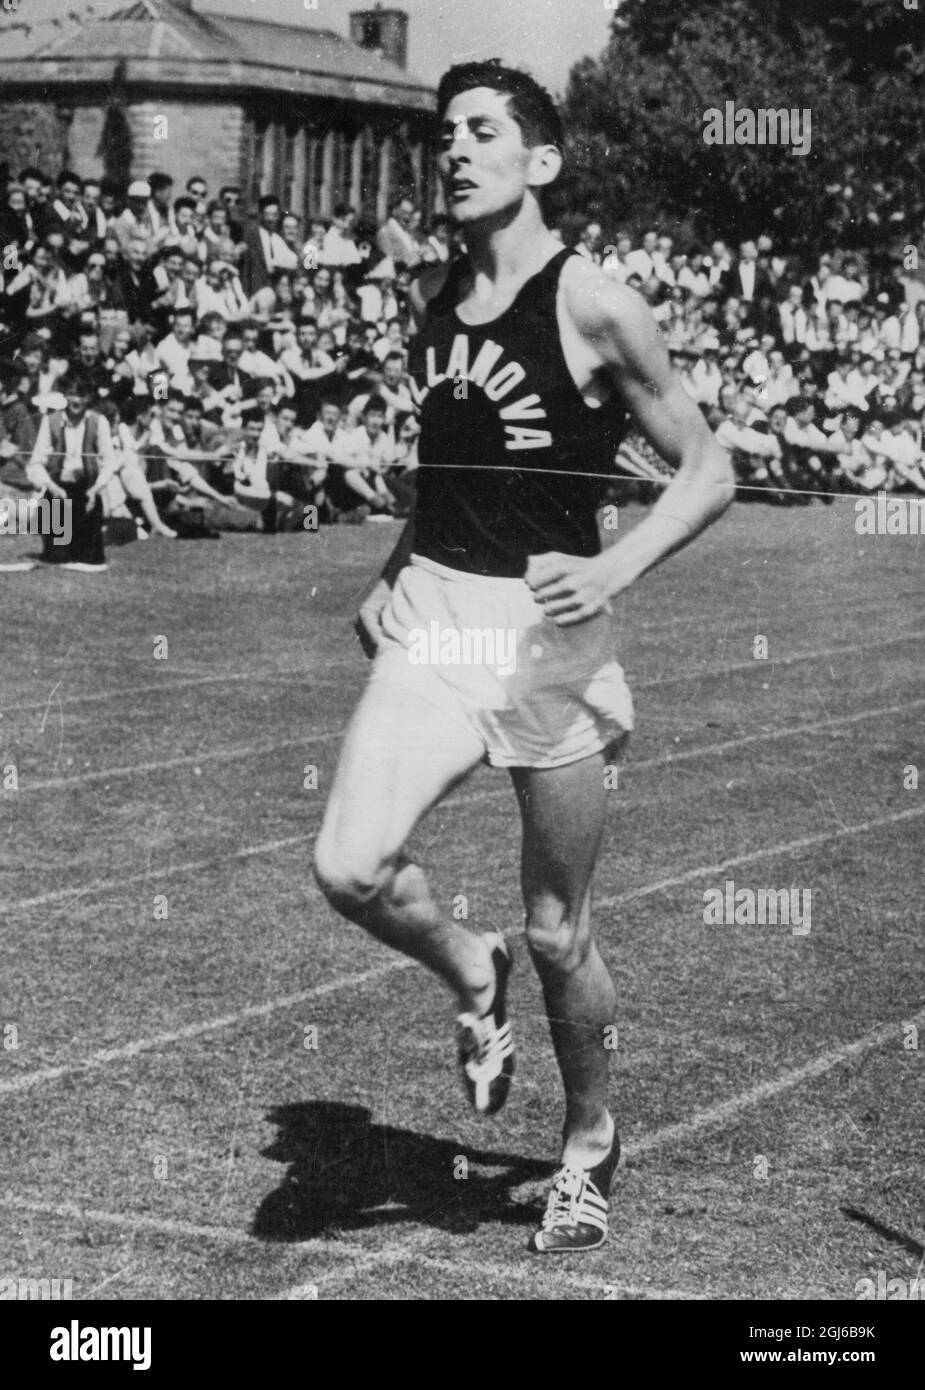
(636, 154)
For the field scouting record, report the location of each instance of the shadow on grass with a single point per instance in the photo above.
(347, 1174)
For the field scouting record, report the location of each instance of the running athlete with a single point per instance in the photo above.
(530, 357)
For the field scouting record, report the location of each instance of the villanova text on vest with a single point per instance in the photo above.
(498, 380)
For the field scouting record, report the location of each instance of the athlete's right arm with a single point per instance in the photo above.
(368, 623)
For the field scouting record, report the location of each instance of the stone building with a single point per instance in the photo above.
(125, 87)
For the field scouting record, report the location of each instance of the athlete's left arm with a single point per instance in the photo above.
(618, 326)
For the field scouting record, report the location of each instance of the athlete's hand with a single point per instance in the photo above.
(368, 628)
(368, 624)
(569, 588)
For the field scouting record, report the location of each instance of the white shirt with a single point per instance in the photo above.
(175, 357)
(364, 453)
(276, 254)
(338, 249)
(250, 473)
(639, 262)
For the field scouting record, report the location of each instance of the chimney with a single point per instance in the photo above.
(382, 31)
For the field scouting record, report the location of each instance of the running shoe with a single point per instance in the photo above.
(486, 1047)
(576, 1212)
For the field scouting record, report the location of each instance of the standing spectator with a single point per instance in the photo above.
(265, 250)
(339, 247)
(73, 461)
(394, 238)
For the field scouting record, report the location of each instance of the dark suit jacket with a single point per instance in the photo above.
(255, 273)
(731, 283)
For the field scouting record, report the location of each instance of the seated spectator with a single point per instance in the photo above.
(251, 482)
(358, 479)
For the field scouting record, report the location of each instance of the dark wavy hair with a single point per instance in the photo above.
(529, 104)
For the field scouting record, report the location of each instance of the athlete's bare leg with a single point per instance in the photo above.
(563, 817)
(399, 757)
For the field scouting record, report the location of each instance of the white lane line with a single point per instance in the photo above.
(103, 885)
(246, 750)
(28, 1080)
(763, 852)
(129, 1050)
(713, 1117)
(152, 687)
(326, 736)
(727, 746)
(533, 1270)
(167, 1226)
(349, 670)
(719, 1115)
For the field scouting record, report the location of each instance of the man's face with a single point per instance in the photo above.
(249, 338)
(270, 215)
(137, 255)
(192, 422)
(330, 418)
(252, 432)
(218, 221)
(184, 219)
(31, 188)
(850, 426)
(32, 361)
(650, 242)
(285, 421)
(718, 250)
(77, 401)
(392, 373)
(231, 351)
(483, 162)
(265, 398)
(161, 199)
(183, 328)
(374, 420)
(231, 199)
(306, 336)
(173, 412)
(665, 246)
(173, 264)
(592, 236)
(198, 190)
(190, 272)
(122, 344)
(41, 259)
(290, 230)
(777, 420)
(403, 212)
(69, 193)
(776, 361)
(88, 349)
(748, 251)
(322, 280)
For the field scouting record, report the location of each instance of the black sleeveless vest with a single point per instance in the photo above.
(504, 431)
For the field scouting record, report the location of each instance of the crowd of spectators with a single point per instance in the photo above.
(812, 375)
(175, 363)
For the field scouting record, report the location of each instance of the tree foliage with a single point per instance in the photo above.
(635, 116)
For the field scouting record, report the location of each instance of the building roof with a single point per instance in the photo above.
(164, 43)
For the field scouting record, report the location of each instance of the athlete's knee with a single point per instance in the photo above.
(347, 879)
(558, 939)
